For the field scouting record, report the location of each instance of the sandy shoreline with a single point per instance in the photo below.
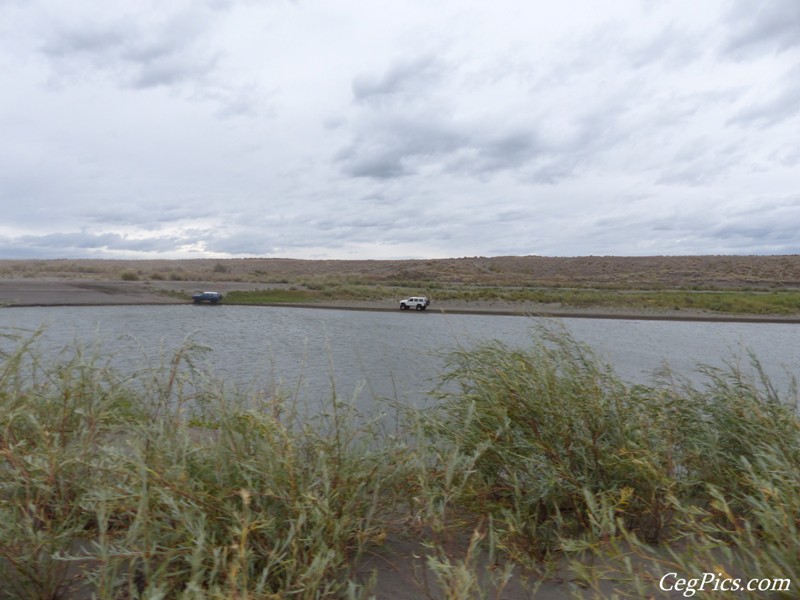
(31, 292)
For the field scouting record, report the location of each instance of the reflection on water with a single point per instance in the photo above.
(374, 354)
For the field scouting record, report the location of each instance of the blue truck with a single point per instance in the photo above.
(211, 297)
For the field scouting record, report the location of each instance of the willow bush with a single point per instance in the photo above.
(551, 423)
(164, 485)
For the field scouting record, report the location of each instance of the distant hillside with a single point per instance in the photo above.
(586, 271)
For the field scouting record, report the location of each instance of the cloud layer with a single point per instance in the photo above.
(364, 130)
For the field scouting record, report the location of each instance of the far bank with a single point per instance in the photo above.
(83, 292)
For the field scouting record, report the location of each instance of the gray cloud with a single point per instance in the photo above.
(252, 244)
(364, 130)
(787, 155)
(395, 145)
(699, 162)
(489, 152)
(772, 229)
(137, 53)
(672, 48)
(147, 217)
(403, 81)
(397, 148)
(771, 26)
(769, 228)
(403, 127)
(83, 245)
(149, 47)
(778, 106)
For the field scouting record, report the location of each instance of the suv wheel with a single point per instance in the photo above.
(419, 307)
(403, 307)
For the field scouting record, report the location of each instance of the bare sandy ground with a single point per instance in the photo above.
(86, 292)
(56, 292)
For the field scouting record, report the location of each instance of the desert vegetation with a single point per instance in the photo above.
(165, 483)
(614, 272)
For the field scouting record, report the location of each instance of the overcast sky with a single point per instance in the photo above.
(403, 129)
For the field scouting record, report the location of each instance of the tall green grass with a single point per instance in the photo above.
(569, 458)
(166, 483)
(167, 487)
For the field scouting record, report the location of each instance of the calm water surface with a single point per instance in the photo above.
(395, 355)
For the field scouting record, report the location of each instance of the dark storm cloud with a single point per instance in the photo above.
(762, 27)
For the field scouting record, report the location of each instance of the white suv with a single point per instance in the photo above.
(418, 302)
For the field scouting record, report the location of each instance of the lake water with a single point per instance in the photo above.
(395, 355)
